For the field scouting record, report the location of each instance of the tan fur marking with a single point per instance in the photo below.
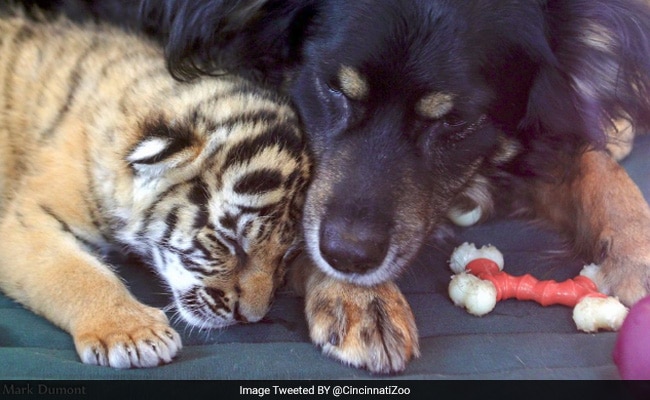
(353, 84)
(435, 105)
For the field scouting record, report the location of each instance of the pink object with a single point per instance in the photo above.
(632, 350)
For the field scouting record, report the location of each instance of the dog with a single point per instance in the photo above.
(429, 111)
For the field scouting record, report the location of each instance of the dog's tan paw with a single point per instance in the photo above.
(626, 277)
(624, 270)
(137, 338)
(366, 327)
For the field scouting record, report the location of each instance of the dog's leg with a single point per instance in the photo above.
(366, 327)
(603, 209)
(43, 266)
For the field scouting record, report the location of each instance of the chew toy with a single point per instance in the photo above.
(479, 283)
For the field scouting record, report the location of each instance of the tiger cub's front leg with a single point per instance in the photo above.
(44, 266)
(366, 327)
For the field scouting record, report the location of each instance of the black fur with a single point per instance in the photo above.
(121, 12)
(548, 75)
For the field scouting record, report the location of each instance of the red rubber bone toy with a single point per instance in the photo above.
(479, 282)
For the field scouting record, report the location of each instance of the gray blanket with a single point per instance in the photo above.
(517, 340)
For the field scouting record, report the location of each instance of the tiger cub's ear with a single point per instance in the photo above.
(163, 145)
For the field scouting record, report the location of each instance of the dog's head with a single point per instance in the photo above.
(406, 102)
(396, 111)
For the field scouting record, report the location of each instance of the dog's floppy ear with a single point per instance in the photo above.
(258, 37)
(601, 70)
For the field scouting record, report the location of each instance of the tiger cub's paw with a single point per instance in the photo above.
(128, 338)
(366, 327)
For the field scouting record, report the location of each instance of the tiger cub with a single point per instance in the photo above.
(100, 147)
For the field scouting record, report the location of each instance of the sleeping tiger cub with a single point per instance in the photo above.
(100, 147)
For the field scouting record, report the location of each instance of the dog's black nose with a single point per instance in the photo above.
(353, 245)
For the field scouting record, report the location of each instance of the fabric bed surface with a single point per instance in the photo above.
(517, 340)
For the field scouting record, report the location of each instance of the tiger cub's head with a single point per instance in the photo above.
(217, 194)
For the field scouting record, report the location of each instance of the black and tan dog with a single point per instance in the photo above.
(421, 110)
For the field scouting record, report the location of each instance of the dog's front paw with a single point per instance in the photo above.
(626, 276)
(625, 262)
(366, 327)
(130, 337)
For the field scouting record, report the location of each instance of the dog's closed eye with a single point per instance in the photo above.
(452, 129)
(460, 128)
(453, 120)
